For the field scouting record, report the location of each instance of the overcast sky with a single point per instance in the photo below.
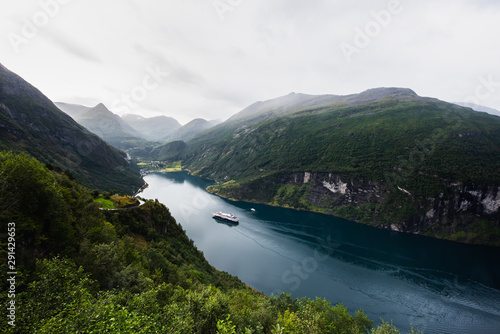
(211, 59)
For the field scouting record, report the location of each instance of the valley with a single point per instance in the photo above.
(250, 167)
(385, 157)
(408, 166)
(416, 280)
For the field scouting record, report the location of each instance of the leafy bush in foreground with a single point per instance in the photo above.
(85, 270)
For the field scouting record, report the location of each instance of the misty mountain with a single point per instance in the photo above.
(152, 128)
(478, 107)
(74, 110)
(104, 123)
(30, 122)
(107, 125)
(294, 103)
(385, 157)
(190, 130)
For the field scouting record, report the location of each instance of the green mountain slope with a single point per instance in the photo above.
(30, 122)
(385, 157)
(110, 127)
(82, 269)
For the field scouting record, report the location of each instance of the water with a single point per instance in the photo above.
(437, 286)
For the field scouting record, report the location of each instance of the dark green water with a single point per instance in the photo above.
(438, 286)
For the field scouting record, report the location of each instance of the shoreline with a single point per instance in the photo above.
(141, 189)
(387, 228)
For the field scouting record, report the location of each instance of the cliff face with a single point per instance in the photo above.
(460, 209)
(465, 213)
(397, 161)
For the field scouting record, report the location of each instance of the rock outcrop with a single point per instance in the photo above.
(468, 213)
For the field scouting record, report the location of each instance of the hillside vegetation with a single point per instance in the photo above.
(82, 269)
(420, 135)
(30, 122)
(430, 167)
(110, 127)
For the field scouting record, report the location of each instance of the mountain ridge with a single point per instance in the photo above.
(104, 116)
(479, 108)
(152, 128)
(430, 167)
(190, 130)
(105, 124)
(30, 122)
(73, 110)
(296, 101)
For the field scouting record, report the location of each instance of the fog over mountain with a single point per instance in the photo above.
(478, 107)
(30, 122)
(210, 59)
(152, 128)
(74, 110)
(190, 130)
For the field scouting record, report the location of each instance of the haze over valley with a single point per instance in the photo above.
(250, 167)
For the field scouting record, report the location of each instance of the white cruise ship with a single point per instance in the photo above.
(226, 216)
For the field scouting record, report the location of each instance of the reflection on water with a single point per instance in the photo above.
(437, 286)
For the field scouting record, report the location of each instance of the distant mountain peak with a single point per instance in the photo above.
(385, 91)
(190, 129)
(100, 107)
(74, 110)
(479, 108)
(152, 128)
(132, 117)
(30, 122)
(296, 101)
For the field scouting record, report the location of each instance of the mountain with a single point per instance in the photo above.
(30, 122)
(153, 128)
(293, 103)
(175, 144)
(74, 110)
(109, 127)
(190, 130)
(85, 269)
(385, 157)
(478, 107)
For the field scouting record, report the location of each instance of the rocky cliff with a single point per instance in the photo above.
(385, 157)
(466, 213)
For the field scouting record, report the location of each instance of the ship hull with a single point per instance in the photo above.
(226, 217)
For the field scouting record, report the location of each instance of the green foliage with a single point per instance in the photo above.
(417, 136)
(320, 316)
(226, 326)
(389, 328)
(291, 196)
(89, 273)
(34, 200)
(31, 123)
(421, 145)
(105, 203)
(386, 328)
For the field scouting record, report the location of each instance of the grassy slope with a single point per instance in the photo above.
(427, 137)
(30, 122)
(416, 144)
(81, 269)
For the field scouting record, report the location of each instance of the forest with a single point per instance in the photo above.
(80, 268)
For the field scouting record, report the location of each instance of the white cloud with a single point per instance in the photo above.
(96, 51)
